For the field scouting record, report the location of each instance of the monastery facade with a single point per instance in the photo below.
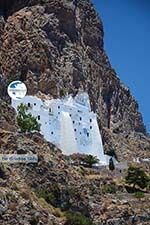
(68, 123)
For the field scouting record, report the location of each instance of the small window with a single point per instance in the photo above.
(80, 118)
(52, 132)
(87, 134)
(90, 127)
(50, 110)
(45, 122)
(73, 122)
(29, 104)
(38, 117)
(34, 103)
(70, 115)
(75, 130)
(58, 112)
(58, 107)
(90, 120)
(80, 133)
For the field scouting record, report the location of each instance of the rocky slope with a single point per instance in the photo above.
(38, 194)
(57, 47)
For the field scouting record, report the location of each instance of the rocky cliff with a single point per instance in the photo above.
(56, 46)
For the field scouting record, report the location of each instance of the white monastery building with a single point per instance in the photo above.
(68, 123)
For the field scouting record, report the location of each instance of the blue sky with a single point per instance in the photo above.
(127, 43)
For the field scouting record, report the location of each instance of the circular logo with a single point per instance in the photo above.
(17, 90)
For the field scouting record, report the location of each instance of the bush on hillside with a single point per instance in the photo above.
(76, 218)
(90, 160)
(109, 188)
(26, 121)
(139, 194)
(137, 177)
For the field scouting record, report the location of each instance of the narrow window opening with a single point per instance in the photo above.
(87, 134)
(90, 120)
(38, 117)
(29, 104)
(34, 103)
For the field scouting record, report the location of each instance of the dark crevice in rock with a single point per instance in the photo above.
(107, 95)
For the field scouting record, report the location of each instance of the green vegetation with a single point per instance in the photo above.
(2, 172)
(148, 185)
(26, 121)
(90, 160)
(13, 77)
(92, 188)
(61, 93)
(109, 188)
(139, 194)
(34, 221)
(76, 218)
(49, 197)
(112, 153)
(73, 192)
(42, 2)
(137, 177)
(14, 186)
(82, 171)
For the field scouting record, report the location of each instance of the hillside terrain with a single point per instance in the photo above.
(42, 193)
(56, 47)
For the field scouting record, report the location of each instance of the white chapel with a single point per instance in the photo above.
(68, 123)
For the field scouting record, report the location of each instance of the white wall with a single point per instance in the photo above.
(81, 121)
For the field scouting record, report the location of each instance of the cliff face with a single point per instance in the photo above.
(57, 47)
